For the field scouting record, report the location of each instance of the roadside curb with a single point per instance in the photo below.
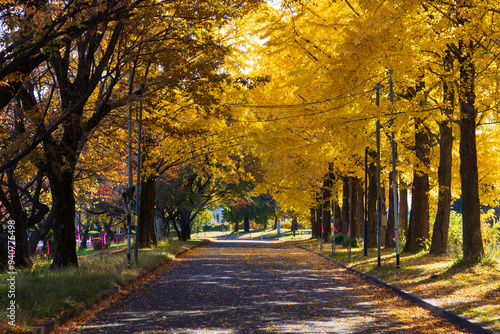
(456, 319)
(49, 325)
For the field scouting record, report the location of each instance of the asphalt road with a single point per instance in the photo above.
(260, 287)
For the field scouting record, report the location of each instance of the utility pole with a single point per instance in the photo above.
(322, 228)
(365, 218)
(394, 175)
(129, 184)
(333, 216)
(138, 186)
(379, 200)
(350, 221)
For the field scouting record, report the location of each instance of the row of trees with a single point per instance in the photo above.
(72, 74)
(317, 117)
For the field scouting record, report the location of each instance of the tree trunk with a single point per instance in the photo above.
(41, 233)
(318, 220)
(176, 228)
(188, 231)
(62, 189)
(312, 217)
(236, 226)
(383, 208)
(345, 204)
(439, 242)
(4, 245)
(146, 231)
(338, 216)
(354, 202)
(246, 224)
(418, 231)
(372, 204)
(472, 238)
(327, 226)
(361, 208)
(185, 232)
(403, 208)
(315, 219)
(17, 213)
(389, 235)
(22, 256)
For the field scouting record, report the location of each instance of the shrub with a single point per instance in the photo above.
(339, 238)
(455, 240)
(491, 237)
(343, 239)
(96, 244)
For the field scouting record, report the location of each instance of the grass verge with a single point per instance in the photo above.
(472, 290)
(265, 234)
(42, 293)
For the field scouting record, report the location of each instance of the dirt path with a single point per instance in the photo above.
(243, 287)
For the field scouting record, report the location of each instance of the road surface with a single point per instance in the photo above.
(260, 287)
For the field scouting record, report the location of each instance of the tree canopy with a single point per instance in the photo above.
(231, 93)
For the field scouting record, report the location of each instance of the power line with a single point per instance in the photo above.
(303, 115)
(285, 106)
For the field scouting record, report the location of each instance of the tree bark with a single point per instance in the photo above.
(389, 236)
(185, 220)
(42, 233)
(62, 189)
(472, 239)
(176, 228)
(361, 208)
(338, 216)
(318, 220)
(4, 245)
(383, 206)
(18, 214)
(246, 224)
(146, 231)
(315, 220)
(327, 226)
(372, 203)
(439, 242)
(403, 208)
(345, 204)
(418, 230)
(354, 202)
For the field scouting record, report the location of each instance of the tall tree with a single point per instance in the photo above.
(472, 238)
(439, 242)
(418, 228)
(62, 152)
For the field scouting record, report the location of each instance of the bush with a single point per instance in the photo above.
(339, 238)
(343, 239)
(491, 237)
(455, 240)
(96, 244)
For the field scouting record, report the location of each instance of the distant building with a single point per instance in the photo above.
(217, 217)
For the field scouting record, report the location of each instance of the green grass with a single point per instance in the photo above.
(42, 293)
(111, 248)
(285, 235)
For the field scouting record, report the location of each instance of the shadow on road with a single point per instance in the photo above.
(251, 287)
